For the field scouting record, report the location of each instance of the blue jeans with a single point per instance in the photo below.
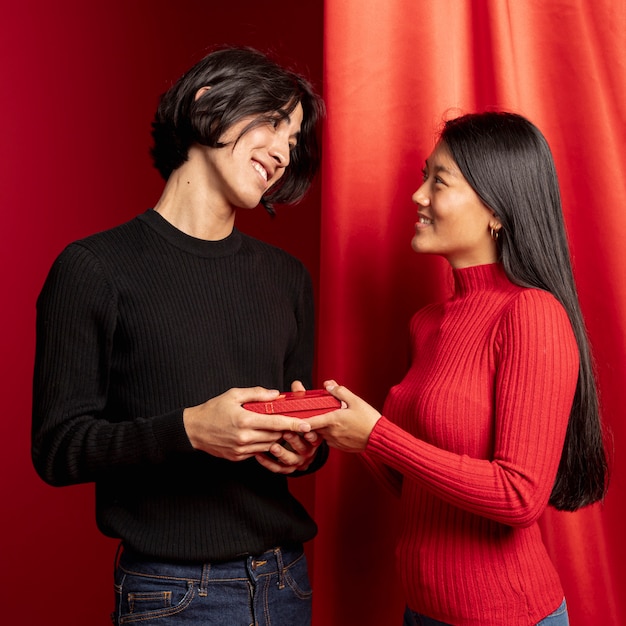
(558, 618)
(271, 589)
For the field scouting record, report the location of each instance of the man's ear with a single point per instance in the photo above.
(201, 92)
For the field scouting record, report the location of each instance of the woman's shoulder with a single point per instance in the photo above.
(537, 315)
(531, 299)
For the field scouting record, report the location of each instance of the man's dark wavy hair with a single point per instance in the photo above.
(243, 82)
(508, 163)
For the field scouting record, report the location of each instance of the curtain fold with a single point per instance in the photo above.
(394, 71)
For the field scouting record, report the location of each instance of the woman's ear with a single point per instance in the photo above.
(495, 222)
(201, 92)
(494, 226)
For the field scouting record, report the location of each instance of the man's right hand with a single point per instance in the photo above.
(222, 427)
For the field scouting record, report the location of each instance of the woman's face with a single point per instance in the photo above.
(452, 220)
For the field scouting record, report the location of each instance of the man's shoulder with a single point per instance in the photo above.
(271, 252)
(121, 234)
(107, 248)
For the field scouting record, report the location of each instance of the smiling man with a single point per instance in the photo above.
(151, 336)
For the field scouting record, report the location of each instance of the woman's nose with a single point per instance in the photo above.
(420, 197)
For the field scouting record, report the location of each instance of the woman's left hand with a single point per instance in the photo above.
(348, 428)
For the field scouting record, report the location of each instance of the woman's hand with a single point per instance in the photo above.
(346, 429)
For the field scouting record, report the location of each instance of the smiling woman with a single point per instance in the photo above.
(497, 415)
(453, 222)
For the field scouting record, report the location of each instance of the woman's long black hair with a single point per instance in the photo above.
(508, 163)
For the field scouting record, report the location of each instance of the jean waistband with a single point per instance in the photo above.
(267, 563)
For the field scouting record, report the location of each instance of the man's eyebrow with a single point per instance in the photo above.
(286, 117)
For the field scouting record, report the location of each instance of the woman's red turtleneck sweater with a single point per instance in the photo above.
(472, 439)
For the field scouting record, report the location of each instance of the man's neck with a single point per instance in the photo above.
(186, 203)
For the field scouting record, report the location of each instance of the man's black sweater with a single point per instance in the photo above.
(137, 323)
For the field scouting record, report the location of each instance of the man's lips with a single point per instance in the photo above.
(261, 170)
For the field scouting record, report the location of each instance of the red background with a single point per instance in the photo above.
(80, 85)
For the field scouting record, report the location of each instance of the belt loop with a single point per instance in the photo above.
(281, 568)
(204, 581)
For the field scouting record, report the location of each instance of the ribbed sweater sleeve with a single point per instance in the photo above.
(476, 430)
(75, 331)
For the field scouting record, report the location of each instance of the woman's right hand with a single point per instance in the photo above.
(348, 428)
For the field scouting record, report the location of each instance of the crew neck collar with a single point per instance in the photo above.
(198, 247)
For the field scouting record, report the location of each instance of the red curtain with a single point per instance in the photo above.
(393, 71)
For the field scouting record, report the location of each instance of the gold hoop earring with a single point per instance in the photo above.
(495, 233)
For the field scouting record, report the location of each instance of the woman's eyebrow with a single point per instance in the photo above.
(437, 168)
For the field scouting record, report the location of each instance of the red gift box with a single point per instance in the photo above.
(297, 403)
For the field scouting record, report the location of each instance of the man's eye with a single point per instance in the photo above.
(424, 175)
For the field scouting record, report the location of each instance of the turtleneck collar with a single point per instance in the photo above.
(198, 247)
(469, 280)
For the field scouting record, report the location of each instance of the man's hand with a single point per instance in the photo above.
(222, 427)
(293, 453)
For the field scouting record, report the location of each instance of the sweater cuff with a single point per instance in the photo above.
(383, 432)
(170, 434)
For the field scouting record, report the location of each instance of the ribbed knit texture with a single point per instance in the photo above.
(476, 430)
(137, 323)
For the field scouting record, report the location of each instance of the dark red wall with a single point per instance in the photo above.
(80, 82)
